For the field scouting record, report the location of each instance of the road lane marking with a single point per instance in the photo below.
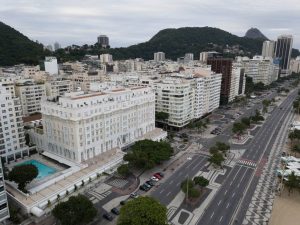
(219, 202)
(231, 183)
(168, 193)
(225, 192)
(227, 205)
(221, 219)
(177, 184)
(212, 214)
(233, 195)
(171, 182)
(162, 191)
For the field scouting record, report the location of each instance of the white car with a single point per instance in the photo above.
(154, 178)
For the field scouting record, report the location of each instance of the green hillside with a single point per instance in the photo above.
(16, 48)
(176, 42)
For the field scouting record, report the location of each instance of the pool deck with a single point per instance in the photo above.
(53, 190)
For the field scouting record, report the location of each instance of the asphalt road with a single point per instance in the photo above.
(168, 190)
(241, 180)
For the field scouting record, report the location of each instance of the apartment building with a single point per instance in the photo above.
(12, 139)
(58, 87)
(81, 126)
(83, 80)
(30, 95)
(188, 96)
(4, 211)
(238, 81)
(261, 69)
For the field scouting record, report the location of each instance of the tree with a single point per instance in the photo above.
(146, 154)
(23, 175)
(223, 147)
(246, 121)
(296, 149)
(239, 128)
(213, 150)
(216, 159)
(161, 116)
(123, 170)
(78, 210)
(201, 181)
(188, 187)
(143, 210)
(292, 182)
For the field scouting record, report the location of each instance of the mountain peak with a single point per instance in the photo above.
(255, 33)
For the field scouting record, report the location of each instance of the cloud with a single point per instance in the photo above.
(129, 22)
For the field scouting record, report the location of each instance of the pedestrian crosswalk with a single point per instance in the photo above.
(247, 162)
(171, 212)
(96, 196)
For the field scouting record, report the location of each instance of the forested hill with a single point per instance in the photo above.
(16, 48)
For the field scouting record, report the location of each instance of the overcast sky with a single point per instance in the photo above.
(129, 22)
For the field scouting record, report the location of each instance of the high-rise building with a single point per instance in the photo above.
(283, 52)
(4, 212)
(295, 65)
(103, 41)
(206, 55)
(56, 46)
(223, 66)
(51, 65)
(268, 49)
(12, 138)
(159, 56)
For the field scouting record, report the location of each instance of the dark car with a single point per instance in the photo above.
(108, 216)
(147, 185)
(144, 187)
(115, 211)
(150, 182)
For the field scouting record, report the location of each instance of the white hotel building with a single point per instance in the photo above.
(81, 126)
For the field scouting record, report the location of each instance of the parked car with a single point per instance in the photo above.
(133, 195)
(144, 187)
(157, 176)
(150, 182)
(160, 174)
(115, 211)
(154, 178)
(108, 216)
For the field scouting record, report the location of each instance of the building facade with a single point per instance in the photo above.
(81, 126)
(58, 87)
(159, 56)
(103, 41)
(223, 66)
(30, 95)
(12, 138)
(283, 52)
(51, 65)
(4, 211)
(268, 49)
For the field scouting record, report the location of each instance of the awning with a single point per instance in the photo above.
(60, 159)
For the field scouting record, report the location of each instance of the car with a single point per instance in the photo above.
(150, 182)
(108, 216)
(115, 211)
(160, 174)
(133, 195)
(148, 185)
(154, 178)
(144, 187)
(157, 176)
(122, 202)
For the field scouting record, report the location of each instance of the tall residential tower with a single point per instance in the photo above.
(283, 51)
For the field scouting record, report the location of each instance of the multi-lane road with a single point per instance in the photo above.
(233, 197)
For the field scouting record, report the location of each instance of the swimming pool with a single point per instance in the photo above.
(43, 169)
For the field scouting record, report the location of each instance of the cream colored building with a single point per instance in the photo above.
(58, 87)
(81, 126)
(30, 94)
